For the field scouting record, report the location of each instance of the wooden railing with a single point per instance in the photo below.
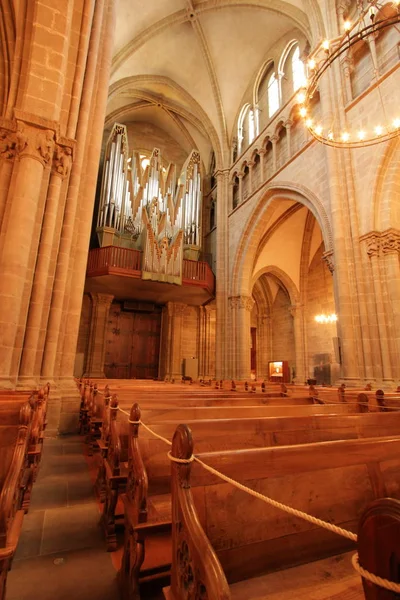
(113, 260)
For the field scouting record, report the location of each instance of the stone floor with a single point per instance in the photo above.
(61, 554)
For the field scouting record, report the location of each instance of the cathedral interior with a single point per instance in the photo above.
(199, 299)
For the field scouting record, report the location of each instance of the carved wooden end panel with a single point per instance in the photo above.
(196, 573)
(379, 546)
(137, 485)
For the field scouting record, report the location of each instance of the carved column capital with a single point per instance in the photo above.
(244, 302)
(390, 241)
(62, 161)
(102, 299)
(379, 243)
(8, 143)
(35, 143)
(288, 123)
(328, 258)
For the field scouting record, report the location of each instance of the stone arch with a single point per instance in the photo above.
(386, 211)
(282, 278)
(258, 221)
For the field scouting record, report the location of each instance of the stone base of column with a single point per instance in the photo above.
(70, 401)
(28, 383)
(7, 384)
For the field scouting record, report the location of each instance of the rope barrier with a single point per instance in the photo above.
(381, 582)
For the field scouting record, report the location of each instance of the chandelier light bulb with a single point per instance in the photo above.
(318, 130)
(311, 64)
(361, 134)
(303, 111)
(325, 45)
(396, 122)
(309, 123)
(345, 136)
(332, 318)
(301, 97)
(347, 25)
(330, 136)
(378, 130)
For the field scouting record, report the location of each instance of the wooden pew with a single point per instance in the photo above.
(222, 534)
(14, 445)
(115, 473)
(146, 502)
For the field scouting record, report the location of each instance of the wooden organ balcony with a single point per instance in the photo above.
(111, 269)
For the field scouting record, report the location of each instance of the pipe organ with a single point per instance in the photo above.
(150, 209)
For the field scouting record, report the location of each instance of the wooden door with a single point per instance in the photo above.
(146, 345)
(118, 344)
(132, 344)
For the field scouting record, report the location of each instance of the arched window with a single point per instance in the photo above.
(273, 95)
(298, 71)
(246, 128)
(251, 126)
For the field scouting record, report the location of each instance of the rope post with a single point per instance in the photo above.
(182, 450)
(134, 420)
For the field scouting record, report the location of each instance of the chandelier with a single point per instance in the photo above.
(372, 17)
(326, 318)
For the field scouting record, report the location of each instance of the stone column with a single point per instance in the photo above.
(382, 366)
(390, 249)
(97, 347)
(274, 141)
(288, 125)
(263, 345)
(34, 147)
(240, 177)
(222, 276)
(251, 164)
(241, 307)
(262, 154)
(175, 313)
(61, 169)
(297, 312)
(8, 143)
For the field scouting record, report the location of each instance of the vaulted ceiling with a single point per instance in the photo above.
(185, 65)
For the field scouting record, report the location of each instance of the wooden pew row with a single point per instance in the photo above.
(15, 430)
(222, 536)
(93, 404)
(147, 499)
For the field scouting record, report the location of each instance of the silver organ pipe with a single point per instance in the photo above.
(129, 193)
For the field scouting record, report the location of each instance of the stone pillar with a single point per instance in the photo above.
(390, 249)
(205, 341)
(34, 146)
(97, 348)
(297, 312)
(222, 367)
(382, 366)
(29, 373)
(241, 307)
(263, 345)
(288, 125)
(251, 164)
(173, 346)
(240, 177)
(274, 141)
(262, 154)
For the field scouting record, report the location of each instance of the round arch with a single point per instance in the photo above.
(242, 273)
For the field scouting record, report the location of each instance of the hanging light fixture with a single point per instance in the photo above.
(370, 21)
(326, 318)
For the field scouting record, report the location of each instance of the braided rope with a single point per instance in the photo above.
(381, 582)
(385, 583)
(184, 461)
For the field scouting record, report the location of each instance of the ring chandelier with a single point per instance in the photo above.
(368, 24)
